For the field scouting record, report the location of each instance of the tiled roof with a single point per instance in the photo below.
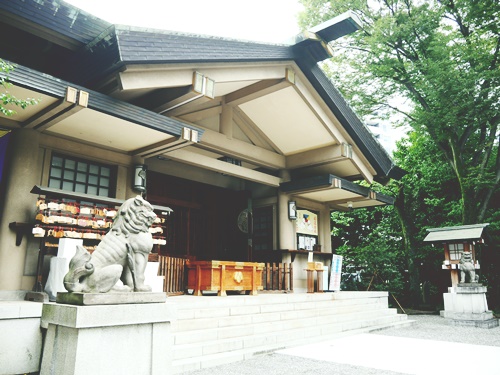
(142, 45)
(59, 17)
(48, 85)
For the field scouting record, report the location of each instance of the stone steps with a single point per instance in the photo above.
(210, 331)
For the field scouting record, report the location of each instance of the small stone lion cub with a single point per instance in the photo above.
(121, 255)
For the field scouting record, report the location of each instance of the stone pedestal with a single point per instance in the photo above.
(20, 335)
(107, 339)
(466, 305)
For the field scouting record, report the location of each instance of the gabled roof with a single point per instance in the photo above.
(456, 234)
(91, 53)
(125, 45)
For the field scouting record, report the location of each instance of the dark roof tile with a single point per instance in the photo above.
(58, 16)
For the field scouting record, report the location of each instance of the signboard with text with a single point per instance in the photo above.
(307, 222)
(336, 273)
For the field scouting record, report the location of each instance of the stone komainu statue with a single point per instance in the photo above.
(121, 255)
(467, 268)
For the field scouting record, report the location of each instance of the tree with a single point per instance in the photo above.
(365, 238)
(7, 100)
(441, 58)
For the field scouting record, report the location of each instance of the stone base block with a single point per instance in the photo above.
(107, 339)
(470, 288)
(86, 299)
(465, 303)
(487, 315)
(20, 337)
(491, 323)
(468, 307)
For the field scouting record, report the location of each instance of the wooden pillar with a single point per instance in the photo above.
(319, 281)
(310, 281)
(222, 290)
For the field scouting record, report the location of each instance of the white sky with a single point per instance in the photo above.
(272, 21)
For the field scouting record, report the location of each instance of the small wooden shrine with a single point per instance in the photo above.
(455, 241)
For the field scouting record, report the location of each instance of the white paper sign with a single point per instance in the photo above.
(336, 273)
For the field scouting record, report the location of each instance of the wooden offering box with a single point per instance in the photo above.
(220, 276)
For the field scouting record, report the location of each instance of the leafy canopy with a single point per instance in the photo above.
(434, 63)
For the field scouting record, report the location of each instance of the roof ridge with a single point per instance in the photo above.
(122, 27)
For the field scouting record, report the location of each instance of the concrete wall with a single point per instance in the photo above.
(27, 165)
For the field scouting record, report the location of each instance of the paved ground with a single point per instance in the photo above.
(430, 346)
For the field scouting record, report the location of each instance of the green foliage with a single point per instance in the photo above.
(433, 66)
(365, 239)
(7, 100)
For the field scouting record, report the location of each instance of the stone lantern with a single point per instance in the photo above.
(457, 240)
(465, 303)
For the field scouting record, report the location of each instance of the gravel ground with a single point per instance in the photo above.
(428, 327)
(434, 327)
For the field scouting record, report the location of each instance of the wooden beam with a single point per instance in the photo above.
(252, 131)
(158, 147)
(256, 90)
(226, 121)
(319, 156)
(206, 162)
(193, 107)
(200, 114)
(154, 78)
(82, 102)
(158, 97)
(216, 142)
(53, 109)
(188, 137)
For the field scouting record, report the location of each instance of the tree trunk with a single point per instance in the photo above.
(409, 248)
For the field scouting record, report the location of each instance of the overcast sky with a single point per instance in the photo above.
(271, 21)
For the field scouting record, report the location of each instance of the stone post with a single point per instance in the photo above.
(22, 172)
(107, 339)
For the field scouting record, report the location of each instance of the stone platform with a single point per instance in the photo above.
(89, 299)
(107, 339)
(466, 305)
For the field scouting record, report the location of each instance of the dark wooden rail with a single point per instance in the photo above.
(278, 277)
(174, 271)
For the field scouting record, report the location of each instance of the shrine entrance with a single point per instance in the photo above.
(204, 222)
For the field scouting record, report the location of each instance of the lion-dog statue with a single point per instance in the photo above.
(467, 268)
(121, 255)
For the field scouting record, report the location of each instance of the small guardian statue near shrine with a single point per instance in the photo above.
(467, 268)
(121, 255)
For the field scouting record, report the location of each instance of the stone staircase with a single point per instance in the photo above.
(211, 330)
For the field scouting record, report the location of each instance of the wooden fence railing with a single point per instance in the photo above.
(174, 271)
(275, 276)
(278, 277)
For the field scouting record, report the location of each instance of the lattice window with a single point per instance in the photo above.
(455, 250)
(81, 176)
